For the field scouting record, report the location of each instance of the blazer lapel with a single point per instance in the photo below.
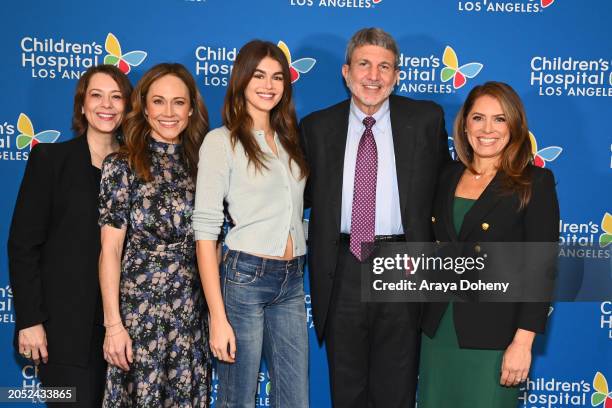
(336, 146)
(485, 203)
(403, 146)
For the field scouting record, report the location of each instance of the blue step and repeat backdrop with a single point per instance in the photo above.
(556, 53)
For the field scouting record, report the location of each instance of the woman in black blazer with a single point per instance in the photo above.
(54, 242)
(475, 354)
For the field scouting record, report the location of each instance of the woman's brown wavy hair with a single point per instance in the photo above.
(282, 117)
(517, 155)
(137, 128)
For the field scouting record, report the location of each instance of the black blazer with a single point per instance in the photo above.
(53, 249)
(421, 147)
(493, 325)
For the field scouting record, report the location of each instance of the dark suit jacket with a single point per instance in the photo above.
(421, 147)
(493, 325)
(53, 249)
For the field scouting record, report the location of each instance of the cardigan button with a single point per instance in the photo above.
(477, 248)
(485, 226)
(433, 219)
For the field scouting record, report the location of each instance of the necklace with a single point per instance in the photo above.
(478, 176)
(98, 154)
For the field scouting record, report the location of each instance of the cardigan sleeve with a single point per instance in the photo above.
(212, 185)
(29, 230)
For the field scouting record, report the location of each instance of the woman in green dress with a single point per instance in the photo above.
(476, 354)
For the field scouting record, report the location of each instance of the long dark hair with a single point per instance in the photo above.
(517, 155)
(137, 128)
(282, 117)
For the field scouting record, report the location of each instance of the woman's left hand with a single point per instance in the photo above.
(515, 364)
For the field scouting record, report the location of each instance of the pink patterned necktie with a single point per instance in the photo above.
(363, 215)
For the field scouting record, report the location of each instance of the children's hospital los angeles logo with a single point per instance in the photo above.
(430, 74)
(601, 397)
(553, 76)
(13, 148)
(560, 392)
(545, 154)
(61, 58)
(6, 305)
(214, 64)
(347, 4)
(504, 6)
(115, 57)
(300, 66)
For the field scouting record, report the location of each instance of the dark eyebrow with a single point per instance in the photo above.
(478, 113)
(264, 72)
(100, 90)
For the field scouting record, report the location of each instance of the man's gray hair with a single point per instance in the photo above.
(372, 36)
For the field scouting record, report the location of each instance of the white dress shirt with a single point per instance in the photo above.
(388, 215)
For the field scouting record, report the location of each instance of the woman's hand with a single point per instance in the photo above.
(118, 348)
(33, 343)
(222, 340)
(517, 359)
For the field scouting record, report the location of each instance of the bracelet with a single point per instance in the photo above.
(108, 326)
(116, 333)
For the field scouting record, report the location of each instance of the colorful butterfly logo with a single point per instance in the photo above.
(547, 154)
(456, 72)
(124, 62)
(301, 66)
(605, 239)
(601, 396)
(546, 3)
(27, 137)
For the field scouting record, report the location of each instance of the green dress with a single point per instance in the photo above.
(461, 378)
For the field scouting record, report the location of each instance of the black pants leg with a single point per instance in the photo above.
(372, 348)
(88, 381)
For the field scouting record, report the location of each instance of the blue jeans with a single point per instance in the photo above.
(264, 303)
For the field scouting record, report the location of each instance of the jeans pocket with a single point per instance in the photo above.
(242, 274)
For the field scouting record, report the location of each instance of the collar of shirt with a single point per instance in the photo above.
(381, 116)
(260, 136)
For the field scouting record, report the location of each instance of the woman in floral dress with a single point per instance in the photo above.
(154, 313)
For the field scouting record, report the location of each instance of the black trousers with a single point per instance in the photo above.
(89, 381)
(372, 348)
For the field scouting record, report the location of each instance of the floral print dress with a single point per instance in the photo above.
(161, 299)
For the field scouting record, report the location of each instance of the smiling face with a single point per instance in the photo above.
(265, 89)
(370, 76)
(103, 105)
(168, 108)
(487, 128)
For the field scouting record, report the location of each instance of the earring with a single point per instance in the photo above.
(82, 110)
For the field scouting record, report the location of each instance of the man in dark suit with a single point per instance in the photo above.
(374, 163)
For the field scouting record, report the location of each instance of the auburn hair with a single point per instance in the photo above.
(137, 128)
(282, 117)
(517, 154)
(79, 121)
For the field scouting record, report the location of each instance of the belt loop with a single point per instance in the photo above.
(235, 260)
(263, 267)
